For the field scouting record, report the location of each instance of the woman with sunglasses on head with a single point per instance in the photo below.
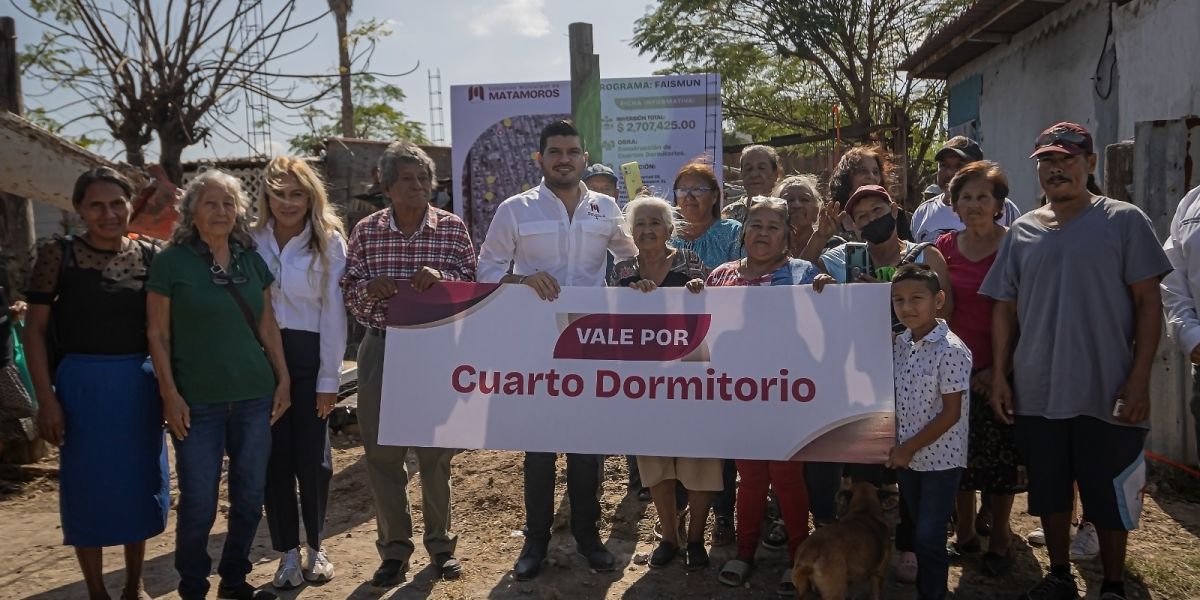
(716, 242)
(300, 236)
(97, 399)
(222, 375)
(767, 239)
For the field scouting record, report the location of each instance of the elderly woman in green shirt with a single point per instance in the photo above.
(219, 360)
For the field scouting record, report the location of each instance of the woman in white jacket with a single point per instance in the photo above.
(300, 237)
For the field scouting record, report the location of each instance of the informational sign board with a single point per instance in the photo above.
(660, 122)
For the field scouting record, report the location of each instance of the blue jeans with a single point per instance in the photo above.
(243, 430)
(930, 499)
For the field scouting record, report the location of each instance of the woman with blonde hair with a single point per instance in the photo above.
(222, 376)
(299, 235)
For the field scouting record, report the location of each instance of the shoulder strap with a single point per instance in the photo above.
(914, 253)
(68, 248)
(246, 312)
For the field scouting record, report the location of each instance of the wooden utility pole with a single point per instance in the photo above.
(585, 89)
(16, 212)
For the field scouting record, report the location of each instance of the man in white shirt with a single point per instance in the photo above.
(1183, 312)
(936, 216)
(557, 234)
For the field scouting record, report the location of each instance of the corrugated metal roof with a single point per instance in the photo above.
(981, 27)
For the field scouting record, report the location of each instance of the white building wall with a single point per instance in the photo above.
(1158, 49)
(47, 220)
(1043, 76)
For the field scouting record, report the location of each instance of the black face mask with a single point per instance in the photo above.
(879, 230)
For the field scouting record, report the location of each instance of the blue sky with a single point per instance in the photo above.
(470, 41)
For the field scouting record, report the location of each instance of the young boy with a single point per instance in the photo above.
(933, 376)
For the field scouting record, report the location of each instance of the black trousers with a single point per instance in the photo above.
(299, 452)
(583, 481)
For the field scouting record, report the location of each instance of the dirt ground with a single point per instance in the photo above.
(1164, 553)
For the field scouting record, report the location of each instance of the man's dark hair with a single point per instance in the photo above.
(563, 127)
(916, 272)
(98, 175)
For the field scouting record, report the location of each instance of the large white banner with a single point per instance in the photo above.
(738, 372)
(660, 122)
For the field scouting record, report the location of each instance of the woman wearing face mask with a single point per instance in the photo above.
(300, 237)
(874, 215)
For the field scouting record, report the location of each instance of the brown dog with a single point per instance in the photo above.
(852, 549)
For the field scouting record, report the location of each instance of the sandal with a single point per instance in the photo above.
(723, 533)
(696, 556)
(777, 536)
(663, 555)
(735, 572)
(787, 588)
(983, 522)
(996, 565)
(957, 550)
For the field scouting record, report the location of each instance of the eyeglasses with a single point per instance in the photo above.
(681, 192)
(1061, 136)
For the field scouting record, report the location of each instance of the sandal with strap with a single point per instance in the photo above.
(735, 572)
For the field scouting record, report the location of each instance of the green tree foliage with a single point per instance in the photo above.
(785, 64)
(376, 117)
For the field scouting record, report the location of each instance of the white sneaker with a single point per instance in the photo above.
(317, 567)
(1086, 544)
(1037, 537)
(288, 575)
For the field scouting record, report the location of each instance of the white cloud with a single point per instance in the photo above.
(525, 17)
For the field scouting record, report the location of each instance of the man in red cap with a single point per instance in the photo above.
(1079, 278)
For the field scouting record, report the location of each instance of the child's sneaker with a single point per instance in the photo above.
(1086, 544)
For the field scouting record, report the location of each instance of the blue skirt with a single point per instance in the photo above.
(114, 486)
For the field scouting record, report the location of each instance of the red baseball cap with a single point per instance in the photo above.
(866, 191)
(1063, 138)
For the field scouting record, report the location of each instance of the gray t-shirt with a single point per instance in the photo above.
(1075, 313)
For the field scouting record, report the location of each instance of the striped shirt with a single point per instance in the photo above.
(377, 248)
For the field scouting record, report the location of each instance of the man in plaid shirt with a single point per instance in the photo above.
(409, 240)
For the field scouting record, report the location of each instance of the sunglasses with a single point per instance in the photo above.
(221, 277)
(1055, 138)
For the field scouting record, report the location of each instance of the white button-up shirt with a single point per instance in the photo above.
(532, 232)
(936, 364)
(1181, 287)
(306, 295)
